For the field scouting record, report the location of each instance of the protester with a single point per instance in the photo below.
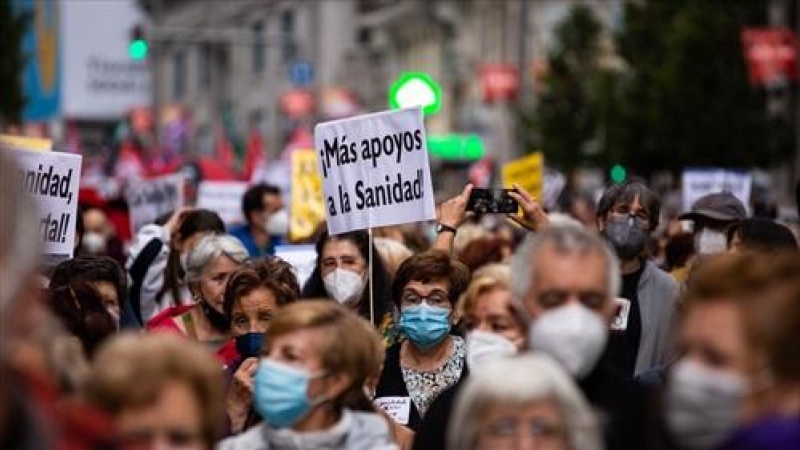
(740, 355)
(81, 309)
(267, 221)
(33, 414)
(429, 359)
(341, 274)
(161, 391)
(209, 265)
(317, 356)
(103, 275)
(485, 250)
(157, 260)
(99, 238)
(526, 402)
(253, 295)
(496, 327)
(626, 215)
(679, 256)
(760, 235)
(566, 276)
(712, 215)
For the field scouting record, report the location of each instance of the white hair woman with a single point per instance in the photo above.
(522, 403)
(208, 267)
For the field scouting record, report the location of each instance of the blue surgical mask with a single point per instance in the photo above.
(281, 394)
(424, 325)
(249, 345)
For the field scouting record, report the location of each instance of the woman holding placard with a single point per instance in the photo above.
(342, 274)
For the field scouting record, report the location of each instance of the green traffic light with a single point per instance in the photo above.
(137, 49)
(618, 174)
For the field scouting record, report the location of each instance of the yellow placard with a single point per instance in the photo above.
(526, 172)
(25, 143)
(308, 207)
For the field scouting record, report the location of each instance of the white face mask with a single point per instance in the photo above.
(573, 335)
(711, 242)
(278, 223)
(344, 286)
(702, 404)
(483, 347)
(93, 242)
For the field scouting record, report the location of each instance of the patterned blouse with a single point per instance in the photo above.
(425, 386)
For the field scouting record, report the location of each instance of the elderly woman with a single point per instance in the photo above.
(209, 265)
(522, 403)
(495, 327)
(161, 392)
(252, 297)
(430, 359)
(317, 356)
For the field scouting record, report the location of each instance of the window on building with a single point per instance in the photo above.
(178, 74)
(204, 66)
(259, 48)
(288, 46)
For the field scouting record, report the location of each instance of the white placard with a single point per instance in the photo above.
(398, 408)
(148, 199)
(375, 170)
(53, 180)
(303, 259)
(224, 198)
(700, 182)
(620, 322)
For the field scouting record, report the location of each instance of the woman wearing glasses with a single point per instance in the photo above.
(429, 359)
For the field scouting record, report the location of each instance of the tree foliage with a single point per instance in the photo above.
(681, 97)
(12, 60)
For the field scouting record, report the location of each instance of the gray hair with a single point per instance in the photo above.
(517, 382)
(567, 239)
(208, 249)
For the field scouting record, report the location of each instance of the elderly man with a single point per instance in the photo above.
(712, 215)
(643, 334)
(567, 277)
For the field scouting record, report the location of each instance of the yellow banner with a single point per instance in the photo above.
(527, 172)
(25, 143)
(308, 207)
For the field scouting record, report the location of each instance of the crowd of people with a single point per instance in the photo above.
(621, 329)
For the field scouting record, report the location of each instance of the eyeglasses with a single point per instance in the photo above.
(435, 298)
(512, 427)
(640, 215)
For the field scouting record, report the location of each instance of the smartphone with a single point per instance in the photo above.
(491, 201)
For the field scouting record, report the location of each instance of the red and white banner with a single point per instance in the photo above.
(771, 55)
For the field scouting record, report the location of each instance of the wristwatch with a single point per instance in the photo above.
(441, 228)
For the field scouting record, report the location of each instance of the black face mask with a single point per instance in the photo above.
(218, 320)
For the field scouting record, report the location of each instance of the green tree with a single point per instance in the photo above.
(12, 61)
(565, 121)
(684, 99)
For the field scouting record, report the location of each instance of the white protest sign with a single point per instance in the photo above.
(303, 259)
(700, 182)
(375, 170)
(52, 179)
(224, 198)
(148, 199)
(398, 408)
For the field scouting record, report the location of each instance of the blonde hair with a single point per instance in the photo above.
(349, 347)
(131, 370)
(487, 279)
(392, 252)
(517, 382)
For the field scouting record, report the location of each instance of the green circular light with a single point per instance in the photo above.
(416, 89)
(137, 49)
(618, 174)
